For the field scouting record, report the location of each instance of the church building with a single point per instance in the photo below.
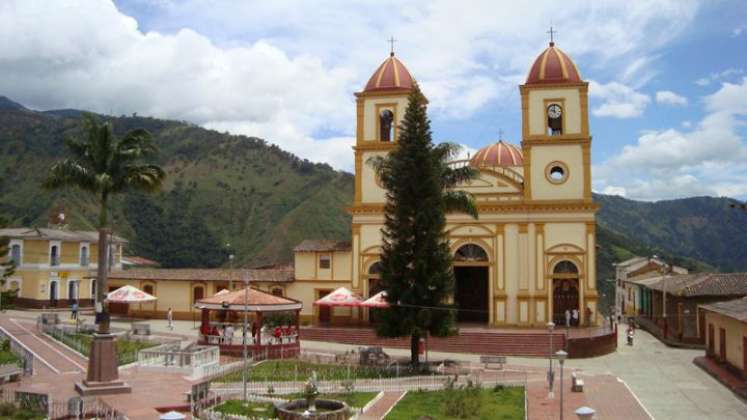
(531, 254)
(528, 258)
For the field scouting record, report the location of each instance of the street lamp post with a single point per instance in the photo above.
(244, 343)
(550, 374)
(561, 355)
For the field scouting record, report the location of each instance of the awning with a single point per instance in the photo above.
(340, 297)
(376, 301)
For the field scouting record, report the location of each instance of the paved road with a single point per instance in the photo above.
(49, 356)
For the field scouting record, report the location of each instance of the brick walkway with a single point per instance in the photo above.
(57, 369)
(382, 406)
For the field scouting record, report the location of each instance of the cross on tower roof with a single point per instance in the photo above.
(552, 32)
(500, 134)
(391, 42)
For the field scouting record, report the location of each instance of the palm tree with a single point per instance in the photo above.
(104, 165)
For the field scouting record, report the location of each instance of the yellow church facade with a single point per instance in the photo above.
(527, 259)
(530, 255)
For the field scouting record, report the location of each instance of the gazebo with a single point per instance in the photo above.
(280, 341)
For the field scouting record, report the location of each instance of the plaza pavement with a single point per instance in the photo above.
(663, 379)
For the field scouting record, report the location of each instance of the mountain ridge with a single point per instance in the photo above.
(241, 195)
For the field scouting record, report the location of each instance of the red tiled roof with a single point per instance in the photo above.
(317, 245)
(277, 275)
(736, 309)
(134, 260)
(255, 297)
(498, 154)
(553, 66)
(704, 284)
(391, 75)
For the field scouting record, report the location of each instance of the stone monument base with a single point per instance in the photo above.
(103, 374)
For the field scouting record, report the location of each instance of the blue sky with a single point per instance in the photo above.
(668, 79)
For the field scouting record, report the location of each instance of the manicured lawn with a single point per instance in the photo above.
(9, 411)
(261, 410)
(7, 356)
(490, 404)
(297, 370)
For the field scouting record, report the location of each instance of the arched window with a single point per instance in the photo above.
(148, 288)
(565, 267)
(84, 256)
(386, 125)
(15, 254)
(375, 269)
(54, 255)
(277, 291)
(470, 253)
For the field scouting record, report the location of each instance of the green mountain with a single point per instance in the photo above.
(221, 189)
(241, 190)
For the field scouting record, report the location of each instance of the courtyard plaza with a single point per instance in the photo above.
(647, 380)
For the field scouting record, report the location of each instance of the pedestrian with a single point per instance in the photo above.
(170, 318)
(587, 314)
(574, 314)
(228, 334)
(278, 332)
(567, 318)
(74, 310)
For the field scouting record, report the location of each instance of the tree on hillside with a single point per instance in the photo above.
(105, 165)
(417, 272)
(7, 265)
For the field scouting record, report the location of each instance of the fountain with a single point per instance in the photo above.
(312, 408)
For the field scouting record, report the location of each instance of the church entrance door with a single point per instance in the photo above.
(565, 297)
(471, 294)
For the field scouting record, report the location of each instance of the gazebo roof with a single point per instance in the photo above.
(258, 301)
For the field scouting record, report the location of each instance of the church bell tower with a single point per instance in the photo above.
(555, 130)
(380, 108)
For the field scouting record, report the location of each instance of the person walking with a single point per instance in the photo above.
(575, 317)
(74, 310)
(170, 318)
(567, 318)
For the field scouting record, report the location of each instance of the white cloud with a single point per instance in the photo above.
(618, 100)
(687, 124)
(667, 97)
(286, 70)
(724, 75)
(613, 190)
(738, 31)
(707, 159)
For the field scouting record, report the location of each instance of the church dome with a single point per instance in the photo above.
(497, 154)
(391, 75)
(553, 66)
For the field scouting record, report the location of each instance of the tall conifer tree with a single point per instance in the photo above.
(416, 262)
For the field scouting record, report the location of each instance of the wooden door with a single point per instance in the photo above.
(722, 344)
(325, 312)
(711, 346)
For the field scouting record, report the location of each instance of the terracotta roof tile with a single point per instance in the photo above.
(736, 308)
(276, 275)
(315, 245)
(704, 284)
(91, 236)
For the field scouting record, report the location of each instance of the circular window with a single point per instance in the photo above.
(556, 172)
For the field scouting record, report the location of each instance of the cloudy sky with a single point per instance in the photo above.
(668, 78)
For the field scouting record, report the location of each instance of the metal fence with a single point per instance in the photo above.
(27, 357)
(410, 383)
(41, 405)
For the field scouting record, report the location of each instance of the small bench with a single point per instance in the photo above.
(577, 384)
(141, 329)
(497, 360)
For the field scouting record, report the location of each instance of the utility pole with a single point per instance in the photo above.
(246, 322)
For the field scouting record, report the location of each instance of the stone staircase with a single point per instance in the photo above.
(497, 342)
